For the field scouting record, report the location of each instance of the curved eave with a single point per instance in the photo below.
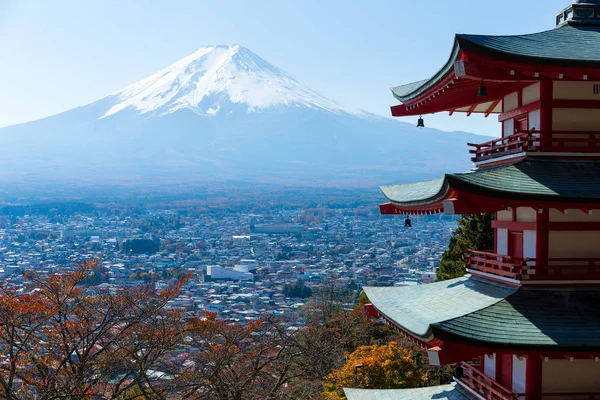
(534, 180)
(410, 91)
(543, 48)
(416, 309)
(487, 190)
(470, 341)
(525, 49)
(416, 198)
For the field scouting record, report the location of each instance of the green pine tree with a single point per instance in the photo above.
(474, 232)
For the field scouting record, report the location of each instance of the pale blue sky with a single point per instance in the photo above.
(59, 54)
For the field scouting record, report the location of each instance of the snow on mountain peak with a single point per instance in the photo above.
(213, 75)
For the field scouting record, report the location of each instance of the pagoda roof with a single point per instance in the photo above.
(444, 392)
(535, 179)
(417, 308)
(565, 46)
(494, 315)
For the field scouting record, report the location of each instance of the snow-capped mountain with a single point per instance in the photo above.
(223, 113)
(214, 75)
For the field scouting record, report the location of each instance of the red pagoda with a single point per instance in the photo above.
(524, 323)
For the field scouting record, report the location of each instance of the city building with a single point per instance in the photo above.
(216, 273)
(524, 322)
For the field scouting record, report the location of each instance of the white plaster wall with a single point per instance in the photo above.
(575, 119)
(529, 244)
(565, 376)
(526, 214)
(519, 374)
(574, 216)
(575, 91)
(489, 365)
(531, 93)
(509, 127)
(502, 238)
(505, 216)
(534, 120)
(565, 244)
(511, 101)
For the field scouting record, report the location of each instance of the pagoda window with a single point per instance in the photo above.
(584, 12)
(569, 14)
(560, 18)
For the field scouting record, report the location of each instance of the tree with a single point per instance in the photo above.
(62, 341)
(236, 362)
(474, 232)
(140, 246)
(297, 290)
(334, 328)
(381, 367)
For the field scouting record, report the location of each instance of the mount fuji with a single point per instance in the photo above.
(223, 113)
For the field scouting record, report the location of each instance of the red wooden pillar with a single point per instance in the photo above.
(546, 95)
(533, 380)
(542, 236)
(504, 372)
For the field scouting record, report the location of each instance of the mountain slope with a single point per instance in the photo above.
(223, 113)
(216, 74)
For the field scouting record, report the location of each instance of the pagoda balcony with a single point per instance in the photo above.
(502, 147)
(536, 142)
(477, 383)
(532, 269)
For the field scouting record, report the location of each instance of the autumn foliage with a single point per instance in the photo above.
(63, 339)
(387, 366)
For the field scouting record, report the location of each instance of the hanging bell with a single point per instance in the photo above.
(482, 91)
(407, 222)
(421, 122)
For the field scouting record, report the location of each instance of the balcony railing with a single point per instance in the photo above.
(486, 387)
(483, 385)
(535, 141)
(561, 269)
(552, 269)
(501, 147)
(495, 264)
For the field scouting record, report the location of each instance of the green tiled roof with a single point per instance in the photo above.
(530, 179)
(569, 45)
(535, 179)
(532, 317)
(416, 193)
(416, 308)
(478, 312)
(445, 392)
